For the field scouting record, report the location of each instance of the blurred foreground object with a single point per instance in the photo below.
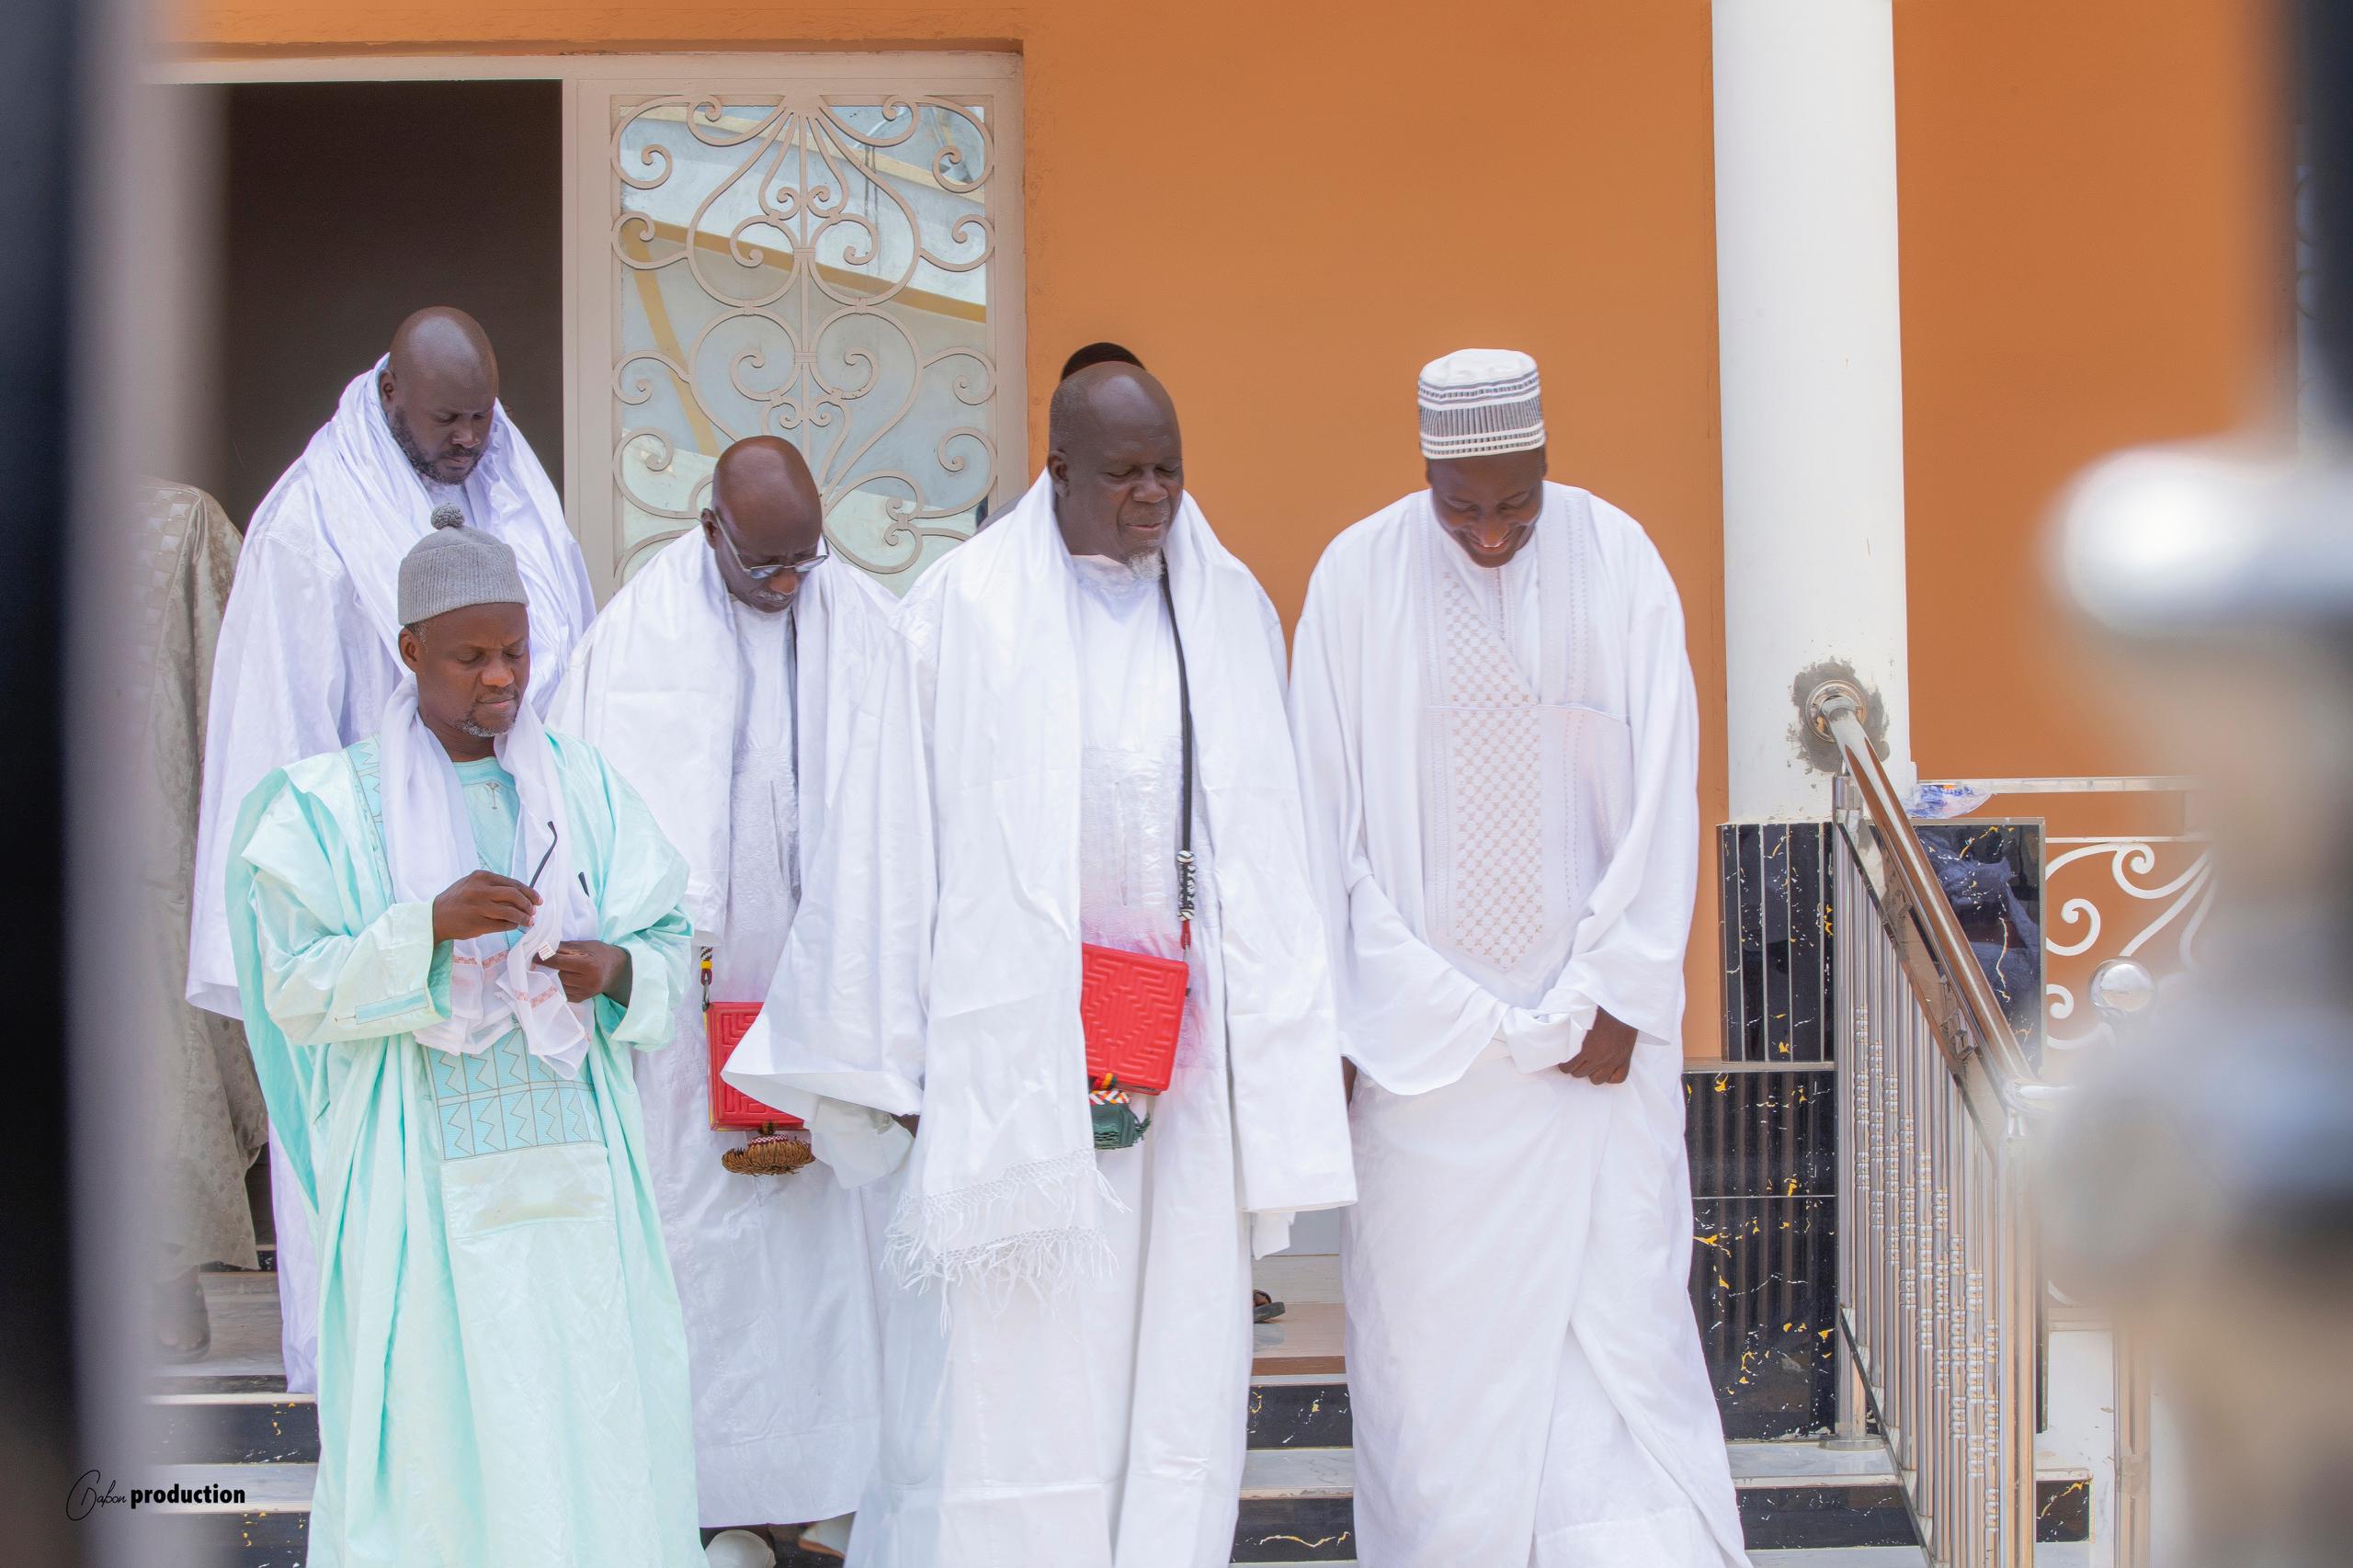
(2201, 1188)
(212, 1106)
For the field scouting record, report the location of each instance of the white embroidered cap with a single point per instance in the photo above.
(1476, 400)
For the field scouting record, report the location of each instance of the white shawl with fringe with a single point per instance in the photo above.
(933, 967)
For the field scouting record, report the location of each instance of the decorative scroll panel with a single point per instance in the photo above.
(822, 263)
(2143, 899)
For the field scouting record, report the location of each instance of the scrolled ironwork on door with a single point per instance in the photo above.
(814, 265)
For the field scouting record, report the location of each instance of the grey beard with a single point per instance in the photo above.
(467, 725)
(1145, 568)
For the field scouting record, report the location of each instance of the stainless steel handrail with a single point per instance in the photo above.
(1969, 1019)
(1939, 1288)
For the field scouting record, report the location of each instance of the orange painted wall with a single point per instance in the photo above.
(1286, 208)
(2095, 238)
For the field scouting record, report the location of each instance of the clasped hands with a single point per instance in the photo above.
(1607, 1054)
(481, 903)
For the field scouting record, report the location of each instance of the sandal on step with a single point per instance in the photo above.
(1263, 1308)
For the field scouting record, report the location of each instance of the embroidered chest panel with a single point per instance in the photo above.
(1494, 780)
(1506, 865)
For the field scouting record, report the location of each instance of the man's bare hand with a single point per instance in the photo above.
(590, 968)
(481, 903)
(1607, 1054)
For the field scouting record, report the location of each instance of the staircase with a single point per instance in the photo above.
(1801, 1505)
(229, 1423)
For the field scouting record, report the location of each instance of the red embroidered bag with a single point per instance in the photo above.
(1132, 1005)
(724, 1026)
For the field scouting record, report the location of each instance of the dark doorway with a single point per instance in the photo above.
(349, 204)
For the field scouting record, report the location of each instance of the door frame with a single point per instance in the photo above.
(589, 508)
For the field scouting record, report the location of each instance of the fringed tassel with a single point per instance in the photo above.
(776, 1154)
(938, 1240)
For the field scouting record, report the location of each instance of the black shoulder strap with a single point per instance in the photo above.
(1186, 883)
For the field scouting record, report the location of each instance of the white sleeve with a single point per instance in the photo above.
(278, 691)
(1627, 958)
(845, 1016)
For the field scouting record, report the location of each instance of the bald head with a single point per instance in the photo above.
(765, 512)
(1116, 458)
(440, 389)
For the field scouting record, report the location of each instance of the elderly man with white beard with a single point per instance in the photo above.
(1497, 740)
(720, 682)
(1072, 775)
(309, 648)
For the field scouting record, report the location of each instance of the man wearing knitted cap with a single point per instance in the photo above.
(1497, 740)
(308, 643)
(450, 938)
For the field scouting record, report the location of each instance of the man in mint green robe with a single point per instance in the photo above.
(503, 1373)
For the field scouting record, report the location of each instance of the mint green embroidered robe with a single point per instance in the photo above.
(502, 1368)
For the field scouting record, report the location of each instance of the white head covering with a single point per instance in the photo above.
(377, 509)
(1477, 400)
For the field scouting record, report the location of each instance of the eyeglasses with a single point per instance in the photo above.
(800, 568)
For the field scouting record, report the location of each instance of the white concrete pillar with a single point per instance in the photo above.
(1809, 335)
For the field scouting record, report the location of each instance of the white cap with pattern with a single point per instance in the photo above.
(1477, 400)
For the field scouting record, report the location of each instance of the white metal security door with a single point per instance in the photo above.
(824, 248)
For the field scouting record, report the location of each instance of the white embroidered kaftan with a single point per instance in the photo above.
(1500, 770)
(693, 697)
(308, 654)
(1065, 1366)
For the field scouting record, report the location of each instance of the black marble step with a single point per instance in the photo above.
(207, 1423)
(1814, 1514)
(197, 1382)
(247, 1541)
(258, 1540)
(1296, 1529)
(1303, 1415)
(1808, 1513)
(257, 1427)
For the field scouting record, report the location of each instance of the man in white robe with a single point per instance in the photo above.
(719, 682)
(1497, 742)
(308, 651)
(1066, 1352)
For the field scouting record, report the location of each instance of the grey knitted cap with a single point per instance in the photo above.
(454, 567)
